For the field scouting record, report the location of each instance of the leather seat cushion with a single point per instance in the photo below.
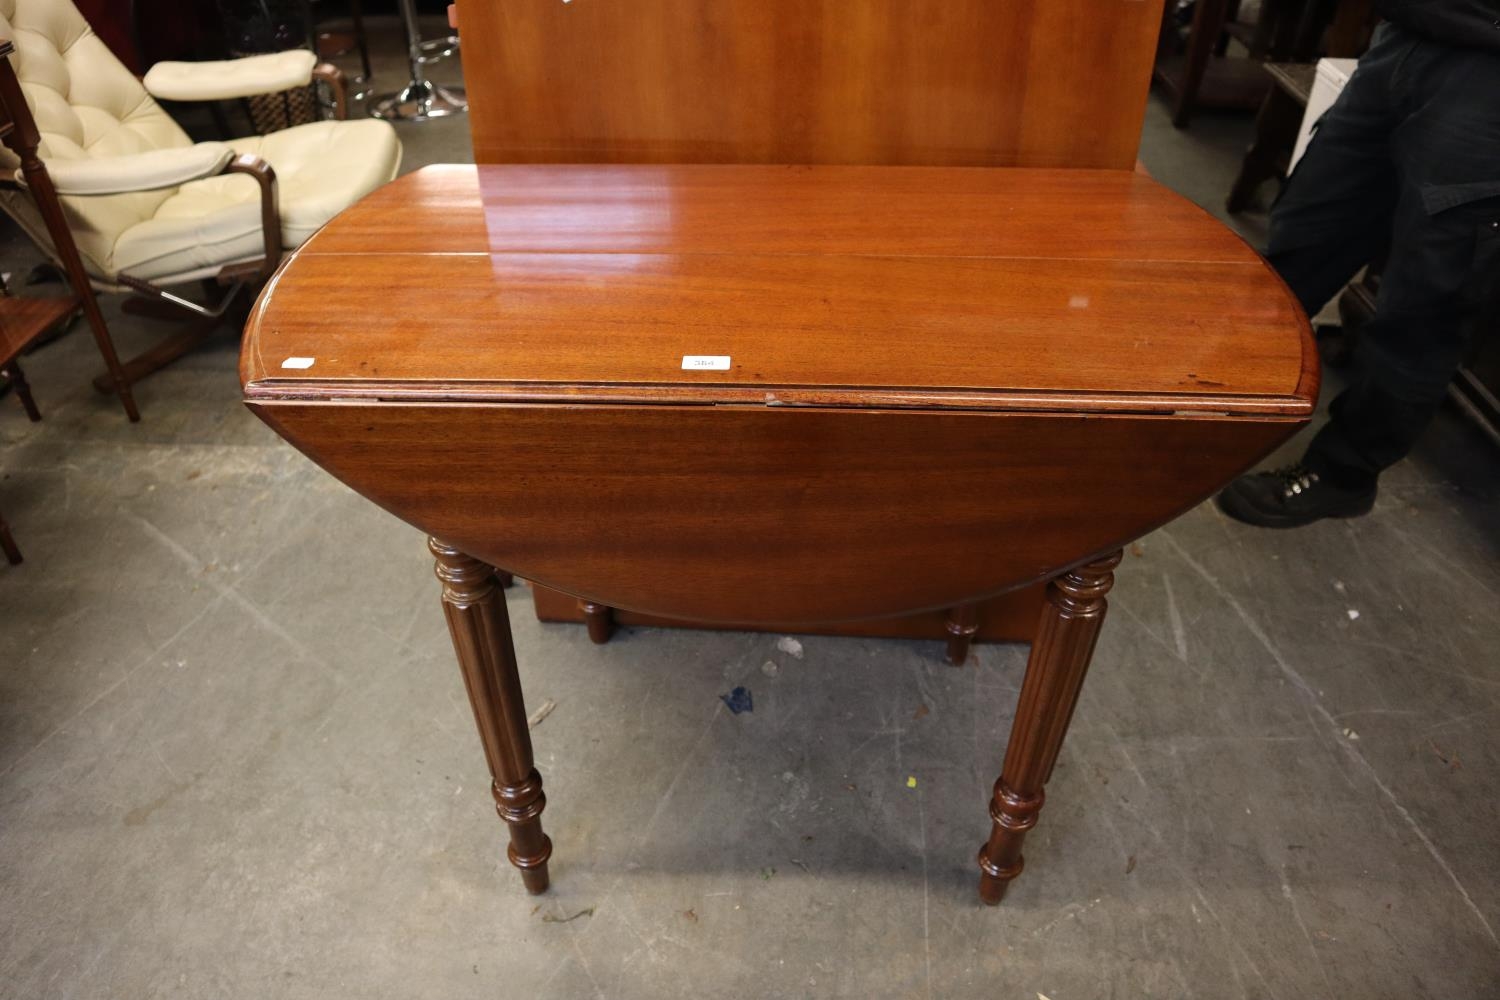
(321, 169)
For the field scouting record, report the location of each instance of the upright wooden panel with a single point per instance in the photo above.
(1052, 83)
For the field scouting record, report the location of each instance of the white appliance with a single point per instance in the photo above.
(1332, 75)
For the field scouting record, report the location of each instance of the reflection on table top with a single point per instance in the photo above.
(906, 286)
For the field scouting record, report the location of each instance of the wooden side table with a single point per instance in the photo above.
(22, 322)
(770, 394)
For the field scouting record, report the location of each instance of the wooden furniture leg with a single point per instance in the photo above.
(474, 604)
(1208, 24)
(1059, 659)
(600, 619)
(194, 330)
(963, 622)
(1270, 28)
(1231, 15)
(1275, 137)
(23, 390)
(8, 545)
(155, 357)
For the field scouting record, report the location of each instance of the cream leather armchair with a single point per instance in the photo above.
(146, 207)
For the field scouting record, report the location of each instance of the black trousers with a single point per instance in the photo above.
(1406, 162)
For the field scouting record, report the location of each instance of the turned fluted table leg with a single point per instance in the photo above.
(474, 604)
(1060, 653)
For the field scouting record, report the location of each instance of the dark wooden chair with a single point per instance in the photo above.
(1276, 130)
(1200, 72)
(22, 322)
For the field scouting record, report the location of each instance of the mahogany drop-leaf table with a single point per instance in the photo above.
(763, 394)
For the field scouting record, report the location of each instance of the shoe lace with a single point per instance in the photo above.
(1295, 479)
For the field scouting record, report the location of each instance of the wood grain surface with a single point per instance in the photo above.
(760, 514)
(954, 82)
(915, 211)
(24, 319)
(988, 289)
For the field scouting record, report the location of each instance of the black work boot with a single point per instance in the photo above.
(1291, 497)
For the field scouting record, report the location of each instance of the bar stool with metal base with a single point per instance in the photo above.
(422, 99)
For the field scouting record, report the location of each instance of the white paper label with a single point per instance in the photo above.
(297, 363)
(705, 362)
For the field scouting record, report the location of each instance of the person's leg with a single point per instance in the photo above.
(1443, 246)
(1446, 151)
(1336, 206)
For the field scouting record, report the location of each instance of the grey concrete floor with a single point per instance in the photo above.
(236, 758)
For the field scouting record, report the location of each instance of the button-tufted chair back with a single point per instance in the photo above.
(86, 103)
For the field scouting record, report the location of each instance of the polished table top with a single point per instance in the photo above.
(925, 385)
(956, 287)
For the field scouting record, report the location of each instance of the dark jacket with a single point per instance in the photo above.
(1470, 23)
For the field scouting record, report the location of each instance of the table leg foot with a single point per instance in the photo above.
(600, 619)
(474, 605)
(1060, 654)
(963, 623)
(520, 806)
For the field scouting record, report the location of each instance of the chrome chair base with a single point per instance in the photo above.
(420, 100)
